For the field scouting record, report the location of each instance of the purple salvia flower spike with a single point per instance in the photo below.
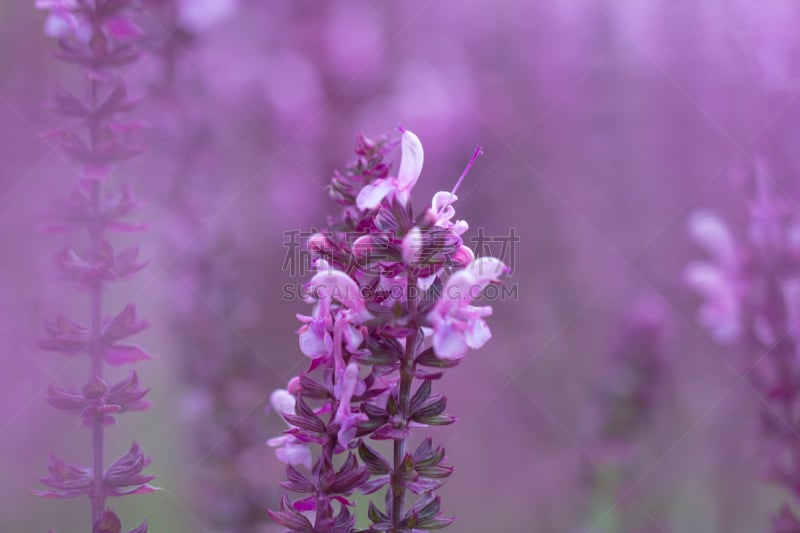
(393, 294)
(749, 291)
(623, 408)
(99, 37)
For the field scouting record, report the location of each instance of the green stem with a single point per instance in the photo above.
(97, 353)
(406, 382)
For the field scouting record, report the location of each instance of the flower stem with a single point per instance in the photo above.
(406, 382)
(96, 354)
(97, 357)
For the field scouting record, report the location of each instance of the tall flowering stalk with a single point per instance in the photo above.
(623, 408)
(99, 36)
(392, 310)
(750, 287)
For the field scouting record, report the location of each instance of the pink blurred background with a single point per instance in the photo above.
(604, 123)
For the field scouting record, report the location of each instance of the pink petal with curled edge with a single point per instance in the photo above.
(274, 442)
(282, 401)
(123, 354)
(294, 454)
(311, 344)
(337, 285)
(411, 161)
(449, 342)
(460, 287)
(487, 269)
(442, 205)
(477, 335)
(371, 195)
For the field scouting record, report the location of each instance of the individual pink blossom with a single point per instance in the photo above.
(290, 449)
(716, 280)
(332, 284)
(458, 325)
(61, 20)
(398, 186)
(314, 336)
(329, 286)
(345, 417)
(442, 210)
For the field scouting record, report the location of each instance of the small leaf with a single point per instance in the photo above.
(346, 482)
(305, 418)
(373, 411)
(433, 406)
(288, 517)
(435, 471)
(428, 358)
(314, 425)
(312, 389)
(435, 523)
(297, 482)
(422, 394)
(427, 506)
(436, 420)
(377, 465)
(368, 426)
(375, 514)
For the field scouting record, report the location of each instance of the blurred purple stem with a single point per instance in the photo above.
(97, 356)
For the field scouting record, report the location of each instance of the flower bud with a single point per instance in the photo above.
(109, 522)
(463, 256)
(318, 243)
(294, 386)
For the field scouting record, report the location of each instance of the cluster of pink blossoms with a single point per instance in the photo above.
(751, 300)
(392, 298)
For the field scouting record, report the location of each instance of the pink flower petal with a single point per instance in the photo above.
(448, 342)
(371, 195)
(478, 334)
(410, 162)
